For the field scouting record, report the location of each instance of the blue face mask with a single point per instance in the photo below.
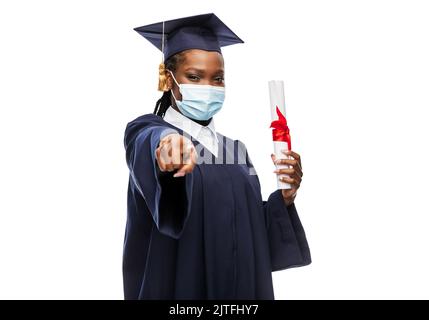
(199, 102)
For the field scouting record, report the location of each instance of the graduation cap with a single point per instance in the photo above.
(205, 32)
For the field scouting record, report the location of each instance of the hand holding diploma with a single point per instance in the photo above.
(287, 162)
(294, 174)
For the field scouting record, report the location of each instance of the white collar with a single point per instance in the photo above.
(193, 128)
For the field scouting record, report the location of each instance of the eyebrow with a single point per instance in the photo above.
(201, 71)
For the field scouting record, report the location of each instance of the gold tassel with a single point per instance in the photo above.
(162, 82)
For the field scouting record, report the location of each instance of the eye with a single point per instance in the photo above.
(193, 77)
(219, 79)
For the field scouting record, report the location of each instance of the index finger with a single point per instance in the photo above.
(187, 168)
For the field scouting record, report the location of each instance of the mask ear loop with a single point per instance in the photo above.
(174, 78)
(178, 85)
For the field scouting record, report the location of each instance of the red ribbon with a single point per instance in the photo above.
(280, 129)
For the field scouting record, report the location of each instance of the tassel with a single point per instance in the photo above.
(162, 82)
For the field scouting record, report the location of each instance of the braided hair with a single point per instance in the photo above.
(164, 102)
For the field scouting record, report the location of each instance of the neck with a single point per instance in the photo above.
(203, 123)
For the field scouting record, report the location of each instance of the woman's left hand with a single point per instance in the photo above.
(294, 174)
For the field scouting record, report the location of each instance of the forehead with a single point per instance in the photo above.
(202, 59)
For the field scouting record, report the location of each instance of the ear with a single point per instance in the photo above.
(169, 80)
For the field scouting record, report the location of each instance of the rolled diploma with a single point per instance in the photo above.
(277, 98)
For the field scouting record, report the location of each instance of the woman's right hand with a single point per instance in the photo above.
(176, 152)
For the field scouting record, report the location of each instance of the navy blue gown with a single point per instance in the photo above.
(207, 235)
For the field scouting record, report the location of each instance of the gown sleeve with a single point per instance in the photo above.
(287, 241)
(167, 198)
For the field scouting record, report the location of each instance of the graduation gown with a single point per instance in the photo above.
(207, 235)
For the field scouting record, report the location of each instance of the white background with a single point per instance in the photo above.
(73, 73)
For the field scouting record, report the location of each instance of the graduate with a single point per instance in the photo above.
(197, 226)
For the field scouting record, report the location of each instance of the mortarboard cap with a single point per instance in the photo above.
(205, 31)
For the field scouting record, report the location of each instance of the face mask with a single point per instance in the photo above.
(199, 102)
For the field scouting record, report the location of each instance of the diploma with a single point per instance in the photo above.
(281, 136)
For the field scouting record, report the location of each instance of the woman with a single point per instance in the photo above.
(197, 227)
